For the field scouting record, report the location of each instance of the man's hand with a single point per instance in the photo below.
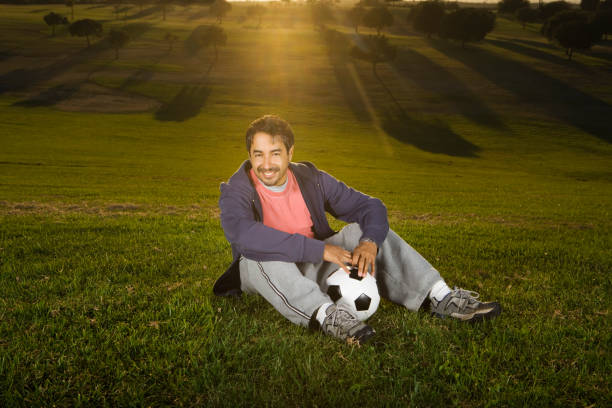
(364, 257)
(337, 255)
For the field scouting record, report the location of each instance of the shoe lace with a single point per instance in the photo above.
(464, 297)
(341, 318)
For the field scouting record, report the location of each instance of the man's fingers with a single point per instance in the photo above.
(362, 266)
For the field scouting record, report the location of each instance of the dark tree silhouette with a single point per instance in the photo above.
(603, 22)
(355, 16)
(510, 6)
(589, 5)
(256, 11)
(118, 39)
(170, 39)
(321, 13)
(54, 19)
(85, 28)
(527, 15)
(573, 30)
(550, 9)
(427, 17)
(378, 17)
(549, 27)
(165, 6)
(206, 36)
(219, 9)
(467, 25)
(575, 35)
(375, 50)
(70, 3)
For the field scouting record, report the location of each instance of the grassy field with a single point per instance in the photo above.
(493, 161)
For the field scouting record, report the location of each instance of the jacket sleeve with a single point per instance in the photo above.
(256, 241)
(350, 205)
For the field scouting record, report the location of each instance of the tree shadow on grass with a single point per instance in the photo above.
(603, 54)
(535, 53)
(97, 6)
(137, 29)
(21, 78)
(337, 51)
(434, 136)
(51, 96)
(143, 13)
(536, 89)
(533, 43)
(198, 15)
(186, 104)
(432, 77)
(6, 55)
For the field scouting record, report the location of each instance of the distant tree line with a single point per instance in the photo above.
(465, 24)
(562, 23)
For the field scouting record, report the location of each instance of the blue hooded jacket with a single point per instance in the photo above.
(242, 220)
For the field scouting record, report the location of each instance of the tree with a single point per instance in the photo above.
(70, 3)
(321, 13)
(219, 9)
(256, 11)
(573, 30)
(170, 39)
(119, 7)
(118, 39)
(527, 15)
(427, 17)
(467, 24)
(511, 6)
(575, 35)
(369, 3)
(376, 50)
(603, 22)
(550, 9)
(355, 16)
(378, 17)
(52, 19)
(205, 36)
(85, 28)
(589, 5)
(165, 6)
(549, 27)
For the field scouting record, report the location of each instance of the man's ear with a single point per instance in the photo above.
(290, 153)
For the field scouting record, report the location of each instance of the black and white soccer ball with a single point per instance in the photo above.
(359, 294)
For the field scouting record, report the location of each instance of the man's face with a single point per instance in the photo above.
(270, 158)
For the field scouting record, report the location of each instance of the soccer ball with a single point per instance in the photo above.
(360, 294)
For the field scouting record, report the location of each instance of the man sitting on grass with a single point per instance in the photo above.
(273, 214)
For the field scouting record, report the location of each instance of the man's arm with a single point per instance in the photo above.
(257, 241)
(350, 205)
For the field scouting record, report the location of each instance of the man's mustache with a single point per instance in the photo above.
(262, 170)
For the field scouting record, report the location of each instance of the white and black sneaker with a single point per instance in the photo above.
(464, 305)
(341, 323)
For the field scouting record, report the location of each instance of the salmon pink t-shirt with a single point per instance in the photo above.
(285, 210)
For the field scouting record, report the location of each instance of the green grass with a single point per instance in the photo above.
(495, 166)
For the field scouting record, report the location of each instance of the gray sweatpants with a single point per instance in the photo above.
(297, 290)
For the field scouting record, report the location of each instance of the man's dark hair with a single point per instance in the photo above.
(272, 125)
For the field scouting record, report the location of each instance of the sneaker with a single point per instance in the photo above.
(343, 324)
(463, 305)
